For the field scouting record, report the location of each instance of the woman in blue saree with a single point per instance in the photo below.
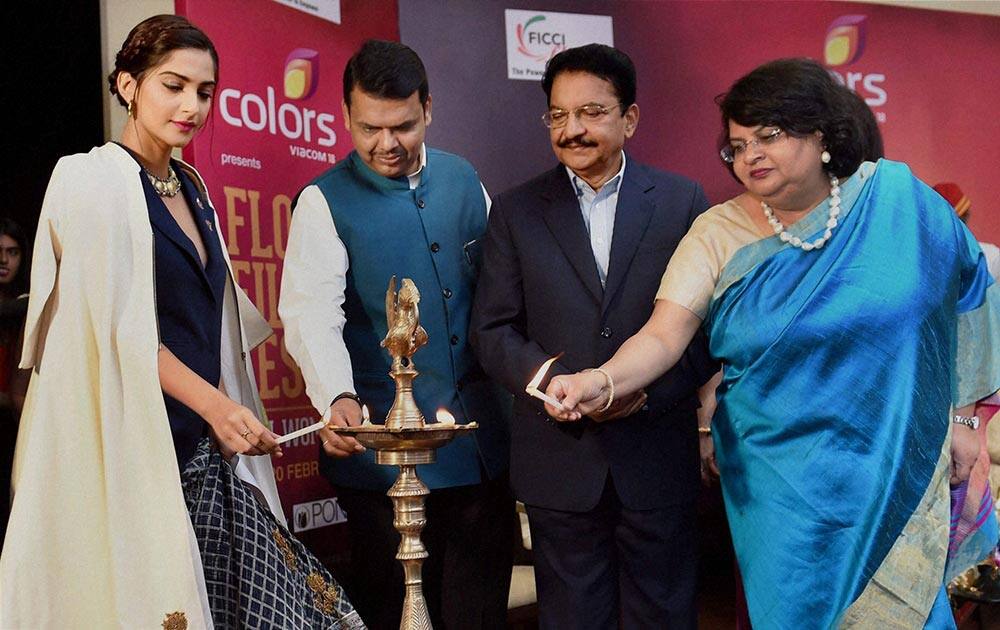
(840, 296)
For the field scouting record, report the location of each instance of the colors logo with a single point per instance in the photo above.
(527, 40)
(301, 73)
(845, 40)
(266, 113)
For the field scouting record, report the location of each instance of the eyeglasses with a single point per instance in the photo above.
(737, 148)
(591, 112)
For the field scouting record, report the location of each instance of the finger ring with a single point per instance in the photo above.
(325, 442)
(245, 434)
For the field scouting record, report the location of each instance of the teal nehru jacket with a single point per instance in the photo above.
(430, 234)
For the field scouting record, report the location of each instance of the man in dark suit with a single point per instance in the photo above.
(572, 262)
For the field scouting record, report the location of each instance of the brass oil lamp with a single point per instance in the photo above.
(406, 440)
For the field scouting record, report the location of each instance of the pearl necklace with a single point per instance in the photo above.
(168, 187)
(795, 241)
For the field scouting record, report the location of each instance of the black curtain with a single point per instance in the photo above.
(52, 96)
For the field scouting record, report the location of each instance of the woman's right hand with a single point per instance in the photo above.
(580, 394)
(237, 429)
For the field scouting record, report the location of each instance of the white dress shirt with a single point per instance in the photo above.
(599, 208)
(311, 303)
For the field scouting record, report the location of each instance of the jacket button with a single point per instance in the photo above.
(420, 203)
(454, 340)
(447, 294)
(435, 247)
(606, 332)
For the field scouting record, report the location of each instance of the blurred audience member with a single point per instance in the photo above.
(14, 272)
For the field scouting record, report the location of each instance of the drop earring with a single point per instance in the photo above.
(131, 108)
(825, 157)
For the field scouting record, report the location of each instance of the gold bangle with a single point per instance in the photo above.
(611, 389)
(705, 430)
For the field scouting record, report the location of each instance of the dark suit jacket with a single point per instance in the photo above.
(189, 299)
(539, 294)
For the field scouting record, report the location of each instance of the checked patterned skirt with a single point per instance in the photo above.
(257, 574)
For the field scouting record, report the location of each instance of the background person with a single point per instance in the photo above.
(14, 273)
(837, 429)
(131, 508)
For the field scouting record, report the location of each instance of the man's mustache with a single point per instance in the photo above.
(579, 141)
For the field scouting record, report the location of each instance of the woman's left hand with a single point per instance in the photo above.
(965, 446)
(706, 446)
(709, 469)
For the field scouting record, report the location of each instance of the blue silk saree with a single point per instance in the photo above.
(832, 430)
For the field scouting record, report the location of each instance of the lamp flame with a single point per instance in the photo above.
(365, 416)
(444, 417)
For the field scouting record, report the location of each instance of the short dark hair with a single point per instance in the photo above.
(153, 39)
(801, 97)
(19, 283)
(386, 70)
(872, 147)
(602, 61)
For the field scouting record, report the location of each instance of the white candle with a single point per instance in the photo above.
(540, 395)
(316, 426)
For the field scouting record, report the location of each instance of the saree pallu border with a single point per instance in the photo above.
(832, 424)
(892, 599)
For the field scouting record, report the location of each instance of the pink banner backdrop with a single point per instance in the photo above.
(930, 77)
(277, 124)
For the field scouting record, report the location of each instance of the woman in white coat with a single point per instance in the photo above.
(143, 489)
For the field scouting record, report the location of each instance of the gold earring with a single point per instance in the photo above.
(131, 109)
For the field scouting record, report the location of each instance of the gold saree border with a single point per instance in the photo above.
(903, 589)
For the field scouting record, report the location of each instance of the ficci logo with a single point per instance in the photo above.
(845, 40)
(301, 73)
(529, 40)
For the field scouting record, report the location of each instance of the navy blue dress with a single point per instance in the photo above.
(189, 300)
(257, 574)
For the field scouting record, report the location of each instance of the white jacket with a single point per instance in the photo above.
(99, 534)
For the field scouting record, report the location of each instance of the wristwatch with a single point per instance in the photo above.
(970, 421)
(352, 396)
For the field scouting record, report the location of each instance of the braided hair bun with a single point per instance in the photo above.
(150, 41)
